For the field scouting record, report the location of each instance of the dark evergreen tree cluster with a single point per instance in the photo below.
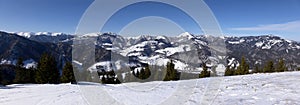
(68, 74)
(7, 73)
(23, 75)
(242, 69)
(171, 72)
(1, 77)
(281, 67)
(229, 71)
(204, 73)
(47, 71)
(108, 77)
(269, 67)
(156, 73)
(143, 74)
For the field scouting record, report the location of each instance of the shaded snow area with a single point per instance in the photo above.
(262, 89)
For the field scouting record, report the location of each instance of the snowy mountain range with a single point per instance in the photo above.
(188, 51)
(31, 34)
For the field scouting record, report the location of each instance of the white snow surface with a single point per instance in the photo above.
(262, 89)
(32, 94)
(187, 35)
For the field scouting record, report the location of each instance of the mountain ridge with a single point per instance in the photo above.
(187, 50)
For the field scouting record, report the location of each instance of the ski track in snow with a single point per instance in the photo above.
(263, 89)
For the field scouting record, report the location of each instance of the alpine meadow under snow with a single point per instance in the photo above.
(265, 89)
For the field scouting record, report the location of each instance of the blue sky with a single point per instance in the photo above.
(236, 17)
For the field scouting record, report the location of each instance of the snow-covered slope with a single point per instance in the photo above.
(31, 94)
(262, 89)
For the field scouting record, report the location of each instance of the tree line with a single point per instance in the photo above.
(45, 72)
(244, 68)
(144, 74)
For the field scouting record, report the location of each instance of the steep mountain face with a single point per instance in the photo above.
(14, 46)
(188, 51)
(260, 49)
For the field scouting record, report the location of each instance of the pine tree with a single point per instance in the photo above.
(281, 67)
(229, 71)
(68, 74)
(31, 77)
(23, 75)
(133, 72)
(1, 77)
(142, 74)
(20, 71)
(204, 73)
(147, 72)
(47, 71)
(109, 78)
(137, 75)
(103, 79)
(243, 68)
(172, 73)
(269, 67)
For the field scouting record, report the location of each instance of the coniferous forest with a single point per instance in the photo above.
(47, 72)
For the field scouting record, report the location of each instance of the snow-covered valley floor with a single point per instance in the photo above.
(263, 89)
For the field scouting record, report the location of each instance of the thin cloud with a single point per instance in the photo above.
(293, 26)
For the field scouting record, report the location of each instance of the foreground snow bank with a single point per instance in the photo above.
(265, 89)
(33, 94)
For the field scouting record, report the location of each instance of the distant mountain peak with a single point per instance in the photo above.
(29, 34)
(186, 34)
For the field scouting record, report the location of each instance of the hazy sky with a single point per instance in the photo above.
(236, 17)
